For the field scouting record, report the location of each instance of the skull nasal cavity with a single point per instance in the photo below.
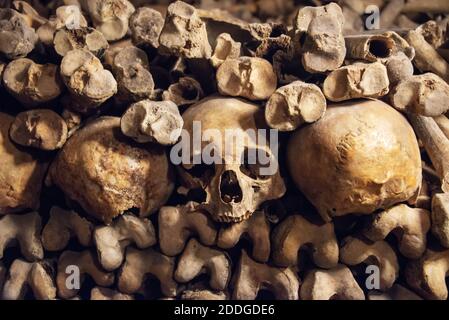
(230, 190)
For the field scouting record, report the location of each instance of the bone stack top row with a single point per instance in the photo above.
(100, 104)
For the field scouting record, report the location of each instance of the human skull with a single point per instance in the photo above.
(234, 184)
(370, 160)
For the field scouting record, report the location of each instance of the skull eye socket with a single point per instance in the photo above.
(252, 161)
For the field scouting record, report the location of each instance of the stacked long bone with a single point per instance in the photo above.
(94, 97)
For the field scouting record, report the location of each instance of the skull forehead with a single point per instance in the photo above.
(229, 118)
(222, 113)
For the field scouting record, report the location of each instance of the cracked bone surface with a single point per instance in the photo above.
(25, 229)
(146, 25)
(358, 80)
(87, 264)
(114, 175)
(35, 275)
(295, 104)
(319, 37)
(425, 94)
(249, 172)
(39, 128)
(178, 224)
(197, 259)
(251, 78)
(17, 38)
(152, 121)
(110, 17)
(139, 263)
(409, 225)
(296, 232)
(184, 92)
(64, 225)
(86, 38)
(112, 241)
(374, 155)
(131, 69)
(31, 83)
(184, 33)
(251, 277)
(256, 228)
(88, 82)
(355, 251)
(337, 283)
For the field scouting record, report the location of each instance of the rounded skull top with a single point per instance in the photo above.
(228, 159)
(107, 174)
(361, 156)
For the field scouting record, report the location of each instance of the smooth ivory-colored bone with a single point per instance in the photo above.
(83, 262)
(399, 67)
(197, 259)
(425, 94)
(25, 229)
(178, 224)
(139, 263)
(34, 275)
(337, 284)
(225, 48)
(409, 225)
(436, 145)
(292, 105)
(355, 251)
(295, 232)
(440, 218)
(112, 240)
(390, 12)
(63, 225)
(251, 277)
(256, 228)
(358, 80)
(418, 6)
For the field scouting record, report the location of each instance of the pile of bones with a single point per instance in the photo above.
(99, 97)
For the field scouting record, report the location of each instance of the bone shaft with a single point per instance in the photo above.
(434, 6)
(436, 145)
(443, 123)
(391, 12)
(427, 58)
